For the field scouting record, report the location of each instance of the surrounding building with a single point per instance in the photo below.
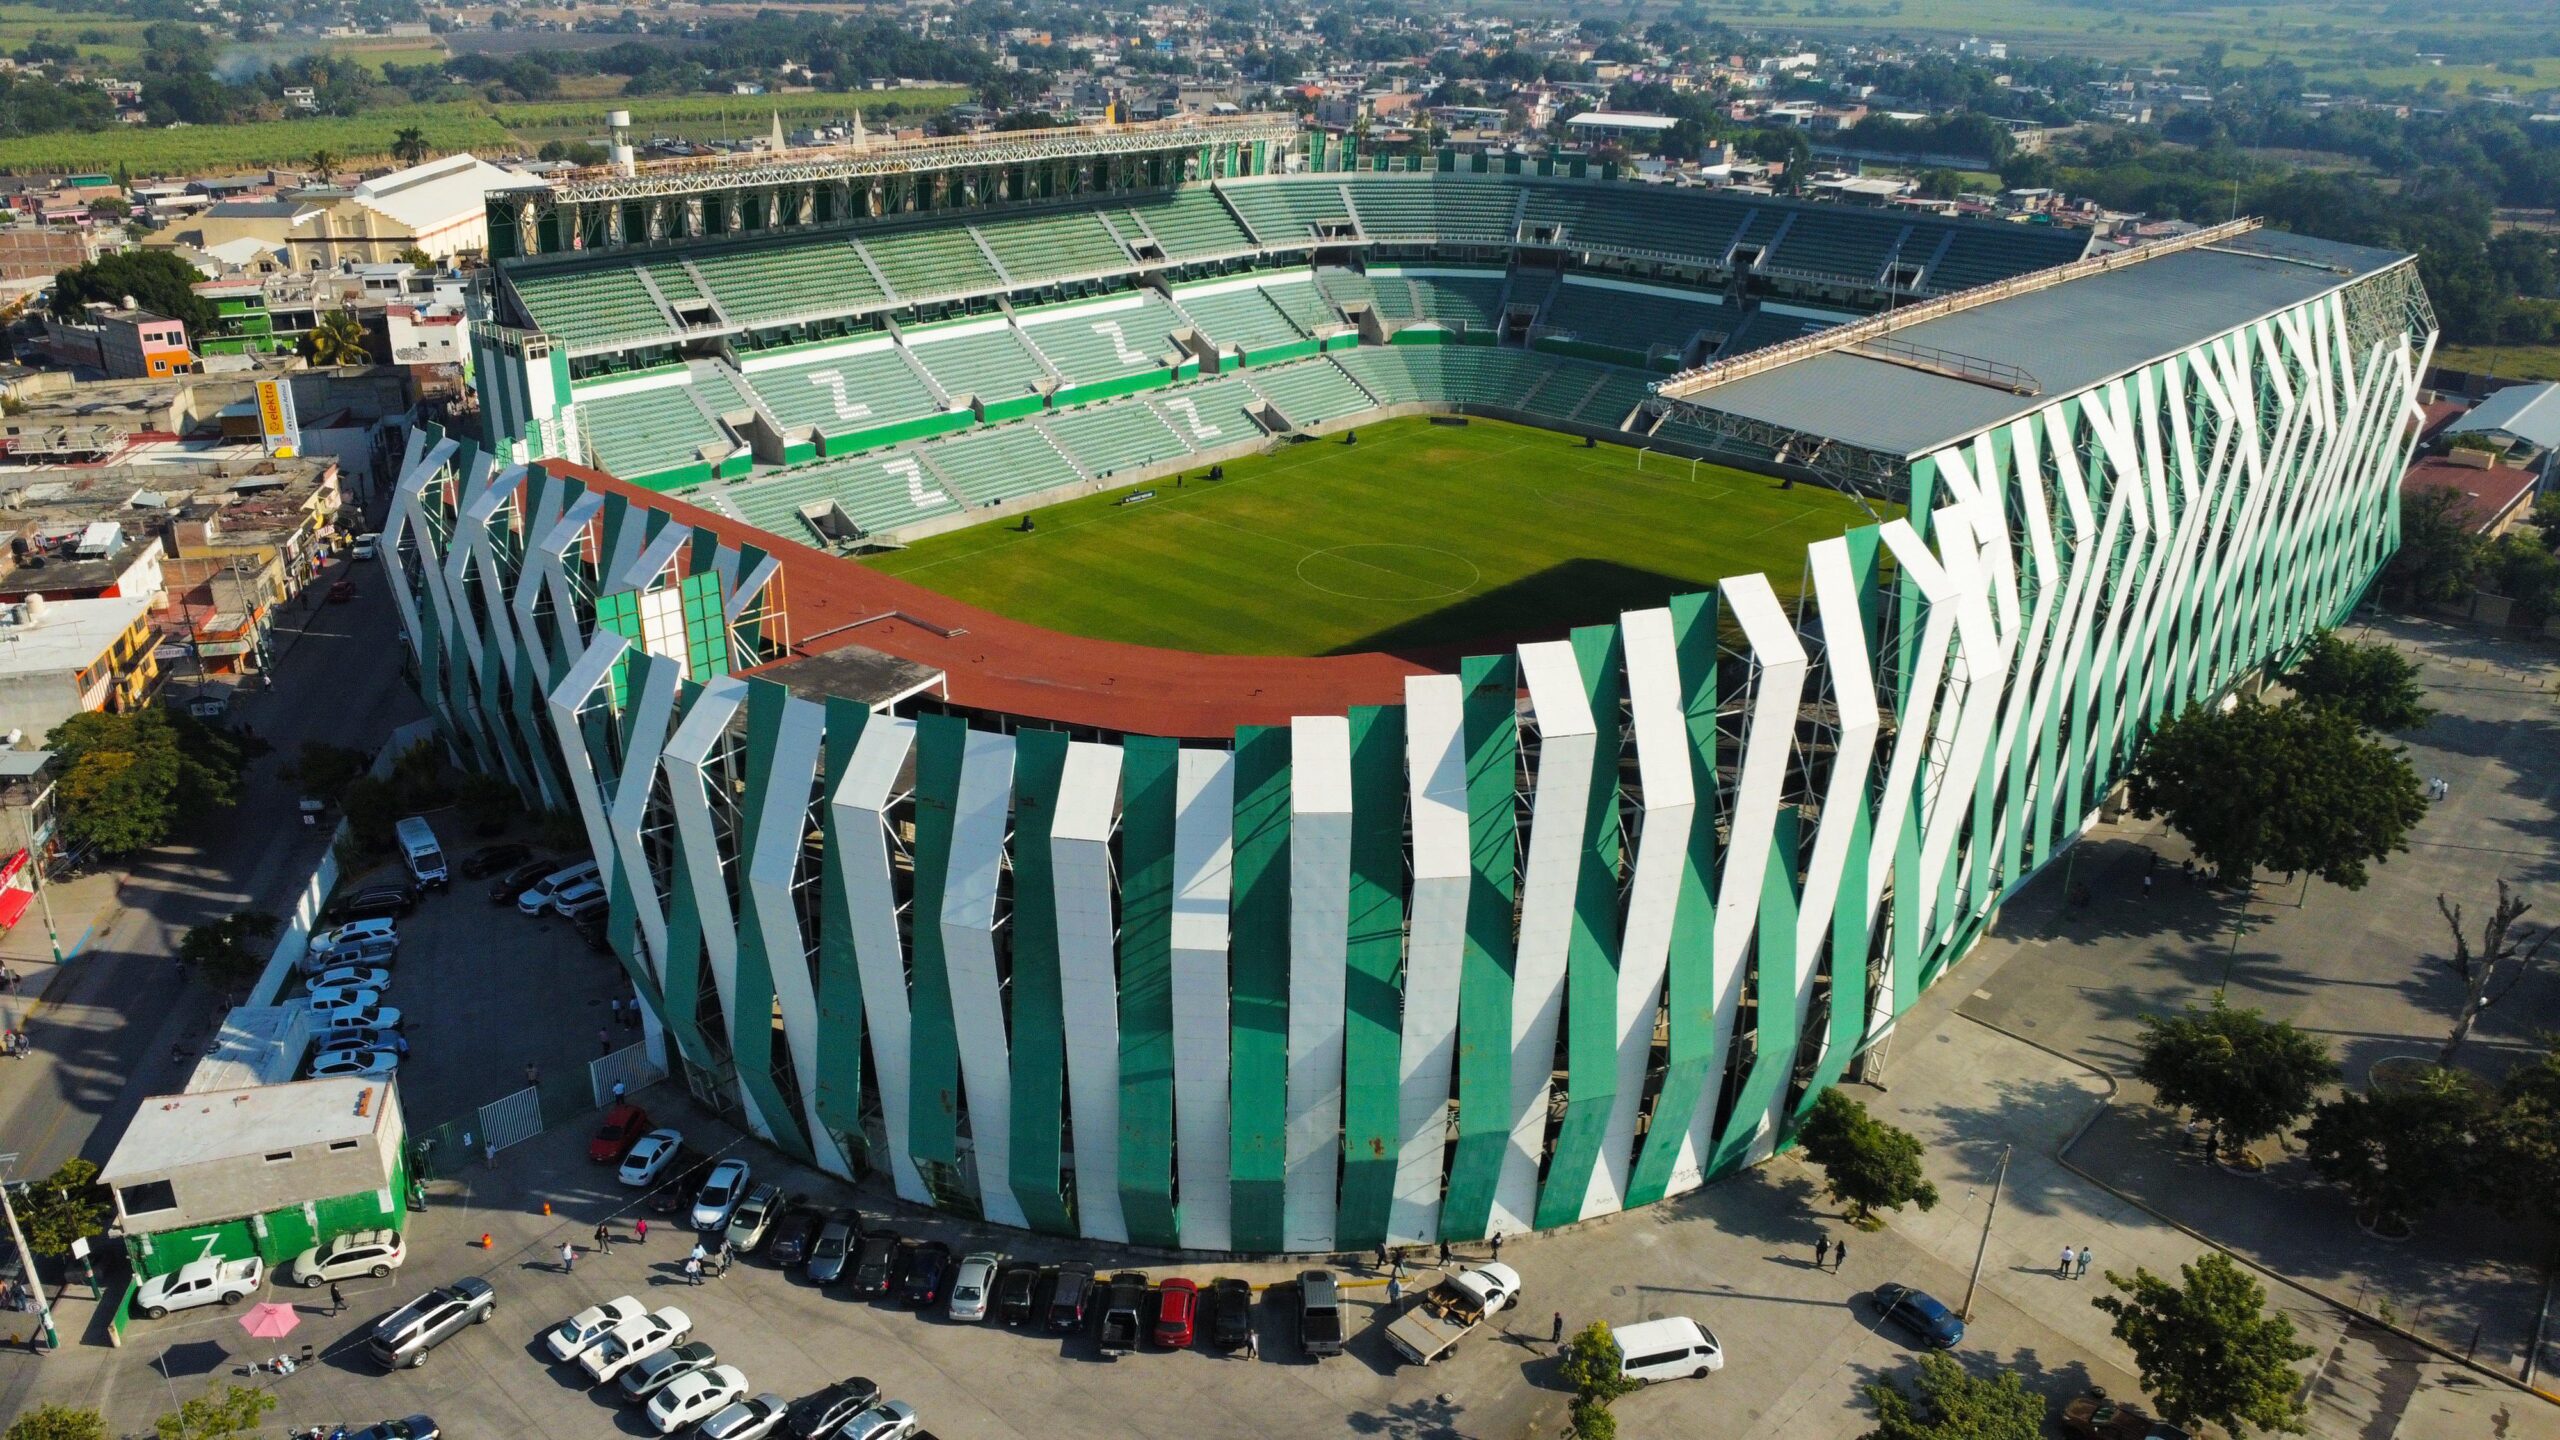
(1625, 126)
(59, 658)
(138, 345)
(265, 1170)
(437, 207)
(2519, 414)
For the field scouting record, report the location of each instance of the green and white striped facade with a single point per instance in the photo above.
(1576, 928)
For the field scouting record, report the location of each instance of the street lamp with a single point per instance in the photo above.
(26, 1258)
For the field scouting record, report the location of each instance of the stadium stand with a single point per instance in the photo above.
(1450, 208)
(843, 393)
(1210, 414)
(876, 492)
(1120, 435)
(1981, 254)
(1295, 296)
(1191, 225)
(1619, 392)
(930, 261)
(988, 361)
(1039, 247)
(1346, 287)
(1393, 296)
(589, 307)
(1242, 319)
(1768, 327)
(1102, 342)
(1285, 213)
(1310, 392)
(673, 280)
(1648, 220)
(999, 463)
(1837, 240)
(1389, 372)
(1454, 298)
(1630, 320)
(718, 386)
(650, 432)
(765, 282)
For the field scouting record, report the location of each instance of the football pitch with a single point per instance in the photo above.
(1419, 538)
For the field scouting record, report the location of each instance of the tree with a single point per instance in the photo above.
(1589, 1367)
(2518, 1159)
(2242, 1074)
(225, 949)
(2439, 551)
(416, 256)
(324, 163)
(129, 780)
(2372, 684)
(2504, 958)
(2398, 1153)
(2206, 1349)
(236, 1411)
(323, 771)
(158, 280)
(1948, 1402)
(2281, 787)
(338, 340)
(410, 145)
(58, 1422)
(1866, 1164)
(67, 1205)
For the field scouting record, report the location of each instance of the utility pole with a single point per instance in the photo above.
(26, 1258)
(1984, 1244)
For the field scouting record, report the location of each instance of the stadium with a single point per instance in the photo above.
(1190, 686)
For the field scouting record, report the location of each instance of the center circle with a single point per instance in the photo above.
(1389, 572)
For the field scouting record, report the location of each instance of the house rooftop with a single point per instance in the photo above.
(171, 1132)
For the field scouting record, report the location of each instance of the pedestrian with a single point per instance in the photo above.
(1839, 1254)
(1382, 1256)
(2064, 1269)
(568, 1257)
(1253, 1343)
(1497, 1246)
(1397, 1269)
(617, 1092)
(1395, 1292)
(489, 1152)
(640, 1231)
(604, 1239)
(337, 1301)
(698, 1252)
(604, 1041)
(2146, 887)
(1821, 1250)
(693, 1270)
(532, 1073)
(1555, 1329)
(2080, 1267)
(613, 1009)
(1444, 1254)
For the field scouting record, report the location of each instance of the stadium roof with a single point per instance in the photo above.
(2068, 336)
(2527, 412)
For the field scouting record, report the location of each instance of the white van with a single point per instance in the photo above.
(418, 846)
(1668, 1349)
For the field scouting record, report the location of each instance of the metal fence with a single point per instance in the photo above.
(630, 1065)
(511, 1119)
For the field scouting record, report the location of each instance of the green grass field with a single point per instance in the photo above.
(2510, 362)
(1419, 538)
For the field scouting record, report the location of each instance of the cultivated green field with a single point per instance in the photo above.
(1420, 537)
(2507, 362)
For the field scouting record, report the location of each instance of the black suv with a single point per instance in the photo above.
(508, 887)
(814, 1417)
(927, 1268)
(490, 859)
(1068, 1297)
(1230, 1312)
(788, 1245)
(875, 1262)
(375, 902)
(1015, 1287)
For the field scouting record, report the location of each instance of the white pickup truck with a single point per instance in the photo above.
(1437, 1319)
(200, 1282)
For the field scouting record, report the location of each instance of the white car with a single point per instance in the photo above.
(633, 1341)
(337, 999)
(650, 1158)
(579, 1333)
(391, 1040)
(688, 1398)
(354, 932)
(353, 977)
(353, 1064)
(367, 545)
(721, 1191)
(359, 1252)
(889, 1420)
(208, 1281)
(360, 1017)
(578, 898)
(971, 1283)
(537, 900)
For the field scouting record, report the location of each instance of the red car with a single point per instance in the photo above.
(624, 1124)
(1177, 1304)
(341, 592)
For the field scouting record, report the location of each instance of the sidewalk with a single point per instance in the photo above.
(84, 911)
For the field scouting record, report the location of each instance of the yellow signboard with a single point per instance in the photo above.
(277, 423)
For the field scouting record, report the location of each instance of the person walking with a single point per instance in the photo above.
(337, 1301)
(617, 1092)
(1395, 1292)
(568, 1258)
(693, 1269)
(1253, 1343)
(604, 1041)
(2064, 1268)
(489, 1152)
(1821, 1251)
(1497, 1246)
(1555, 1329)
(2080, 1267)
(2146, 887)
(1839, 1254)
(532, 1073)
(604, 1239)
(640, 1231)
(1444, 1254)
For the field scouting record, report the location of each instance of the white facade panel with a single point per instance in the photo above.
(1319, 944)
(1436, 762)
(1088, 978)
(969, 965)
(1567, 738)
(1204, 820)
(873, 785)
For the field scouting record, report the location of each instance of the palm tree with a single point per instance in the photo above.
(337, 340)
(323, 163)
(410, 145)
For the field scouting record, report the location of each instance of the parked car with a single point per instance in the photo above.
(650, 1156)
(585, 904)
(539, 896)
(1123, 1306)
(509, 887)
(490, 859)
(792, 1235)
(391, 1040)
(874, 1262)
(375, 902)
(1430, 1328)
(1068, 1296)
(753, 1418)
(358, 1252)
(927, 1271)
(367, 545)
(1016, 1286)
(633, 1341)
(581, 1332)
(2095, 1415)
(351, 977)
(754, 1216)
(1672, 1348)
(1319, 1314)
(343, 997)
(593, 929)
(402, 1339)
(355, 1018)
(379, 951)
(354, 1064)
(623, 1126)
(678, 1190)
(815, 1417)
(656, 1372)
(719, 1195)
(341, 591)
(890, 1420)
(689, 1398)
(973, 1285)
(413, 1427)
(1230, 1312)
(354, 932)
(206, 1281)
(1921, 1315)
(1177, 1309)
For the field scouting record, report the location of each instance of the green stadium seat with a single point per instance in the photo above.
(1190, 224)
(877, 493)
(579, 308)
(1105, 341)
(1041, 247)
(1209, 415)
(845, 391)
(1618, 394)
(1240, 319)
(1982, 254)
(1631, 320)
(1116, 436)
(999, 463)
(761, 283)
(1834, 241)
(1310, 392)
(925, 262)
(1284, 211)
(1452, 208)
(636, 435)
(1388, 372)
(984, 358)
(1458, 299)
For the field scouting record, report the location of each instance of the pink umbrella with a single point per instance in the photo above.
(269, 1321)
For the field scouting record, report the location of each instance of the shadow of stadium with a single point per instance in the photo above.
(1543, 606)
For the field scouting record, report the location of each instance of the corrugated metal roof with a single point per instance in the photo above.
(2069, 336)
(2528, 412)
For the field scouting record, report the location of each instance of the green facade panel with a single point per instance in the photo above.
(1037, 1021)
(1491, 685)
(839, 1057)
(1689, 981)
(1373, 995)
(1258, 1002)
(1147, 800)
(933, 1061)
(755, 1037)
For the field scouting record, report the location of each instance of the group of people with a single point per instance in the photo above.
(13, 1043)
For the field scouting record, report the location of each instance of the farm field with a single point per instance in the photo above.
(1420, 537)
(2508, 362)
